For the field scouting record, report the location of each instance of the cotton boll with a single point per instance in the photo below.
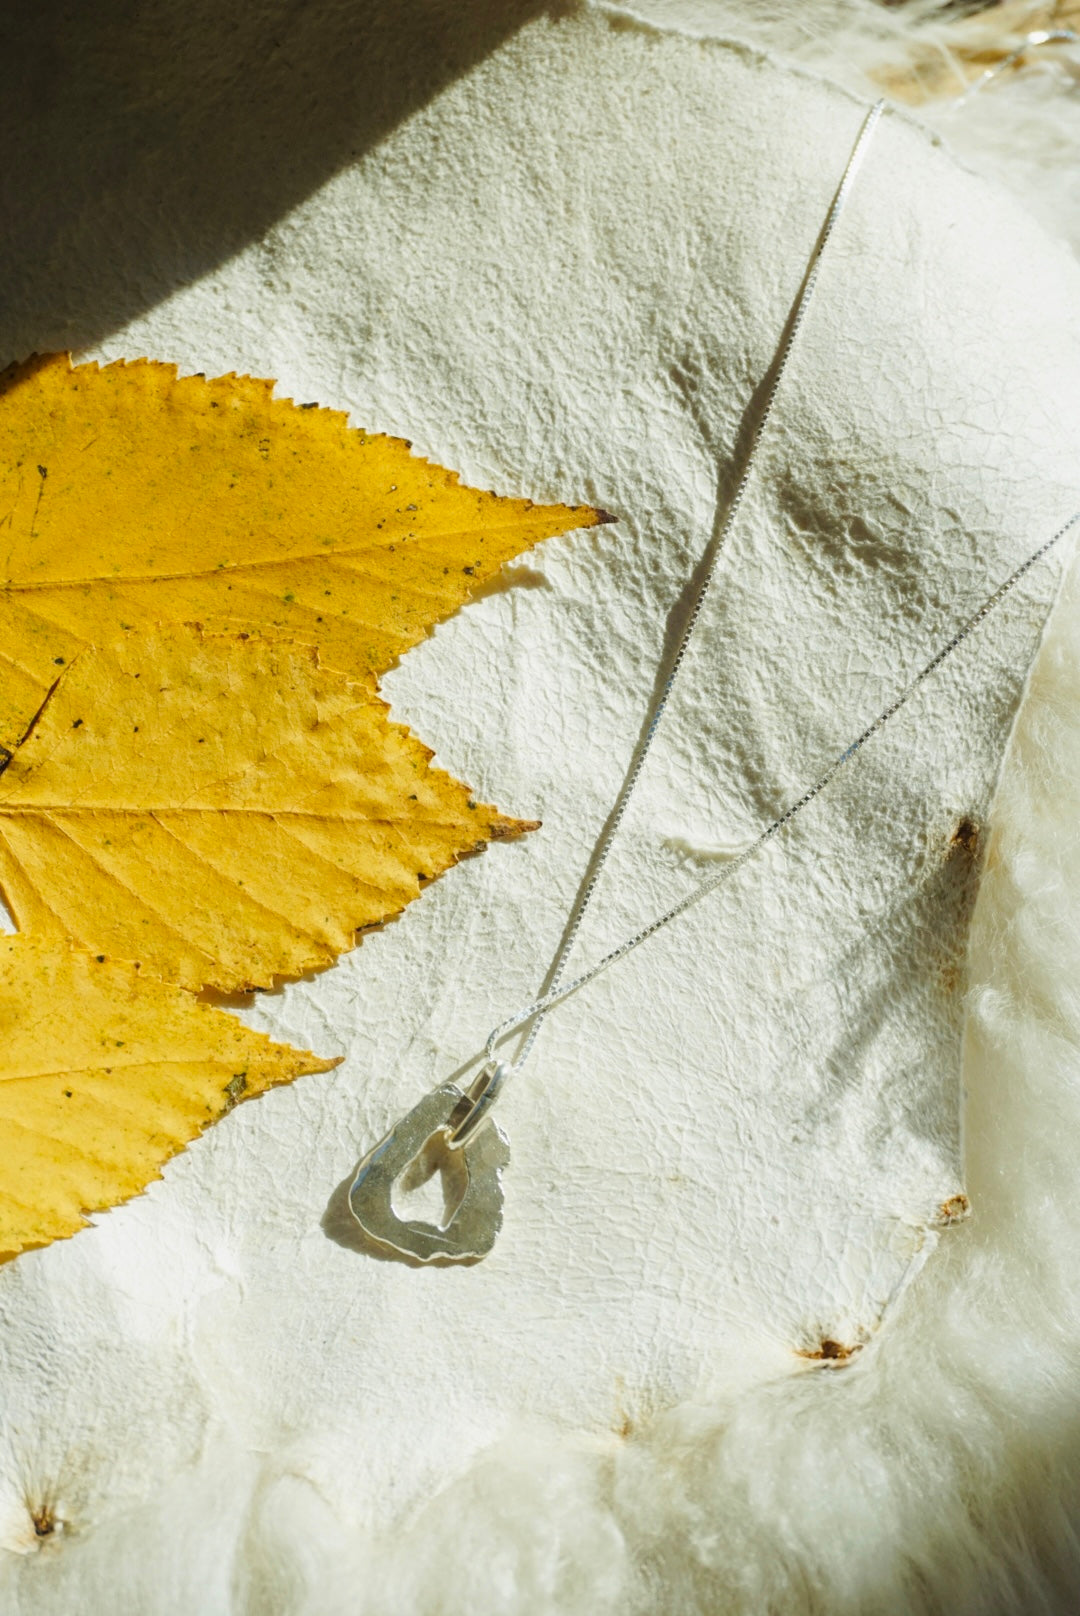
(526, 1530)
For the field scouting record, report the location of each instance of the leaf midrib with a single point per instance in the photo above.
(26, 586)
(12, 811)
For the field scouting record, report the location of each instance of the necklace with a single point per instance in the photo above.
(451, 1129)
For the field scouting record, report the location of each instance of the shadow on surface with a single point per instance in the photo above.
(146, 141)
(339, 1225)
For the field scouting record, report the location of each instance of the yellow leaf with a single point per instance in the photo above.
(105, 1074)
(223, 810)
(130, 497)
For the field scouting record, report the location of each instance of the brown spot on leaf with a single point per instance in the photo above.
(235, 1088)
(954, 1209)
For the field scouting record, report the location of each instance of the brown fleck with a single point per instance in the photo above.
(45, 1522)
(954, 1209)
(236, 1086)
(965, 837)
(830, 1350)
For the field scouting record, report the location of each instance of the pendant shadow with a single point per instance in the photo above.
(339, 1225)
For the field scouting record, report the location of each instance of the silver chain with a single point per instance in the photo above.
(557, 993)
(722, 525)
(559, 989)
(460, 1117)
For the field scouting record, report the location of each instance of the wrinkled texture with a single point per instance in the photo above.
(107, 1073)
(575, 265)
(132, 496)
(1021, 128)
(224, 810)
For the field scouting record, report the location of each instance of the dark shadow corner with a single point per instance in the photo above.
(146, 141)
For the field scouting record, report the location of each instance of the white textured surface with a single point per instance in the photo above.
(1022, 127)
(565, 277)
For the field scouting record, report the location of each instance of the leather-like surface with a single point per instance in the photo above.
(566, 276)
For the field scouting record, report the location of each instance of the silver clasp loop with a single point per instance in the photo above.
(481, 1095)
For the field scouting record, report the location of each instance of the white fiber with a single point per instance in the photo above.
(738, 1351)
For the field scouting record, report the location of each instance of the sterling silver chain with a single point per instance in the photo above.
(453, 1121)
(723, 522)
(725, 518)
(563, 991)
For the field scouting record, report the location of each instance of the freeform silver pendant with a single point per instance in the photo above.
(448, 1132)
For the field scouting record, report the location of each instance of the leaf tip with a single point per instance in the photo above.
(502, 829)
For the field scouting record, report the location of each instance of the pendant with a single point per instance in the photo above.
(449, 1132)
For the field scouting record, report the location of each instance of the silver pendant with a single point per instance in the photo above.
(448, 1132)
